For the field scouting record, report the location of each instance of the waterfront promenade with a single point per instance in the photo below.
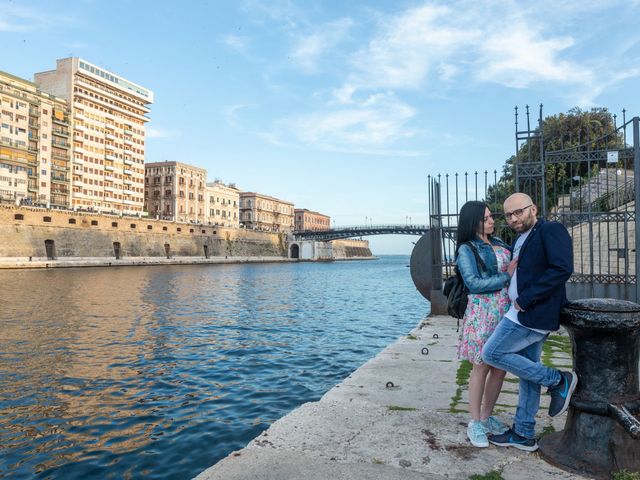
(365, 428)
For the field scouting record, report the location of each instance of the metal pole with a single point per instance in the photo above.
(636, 181)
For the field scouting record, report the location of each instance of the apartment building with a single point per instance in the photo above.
(108, 116)
(309, 220)
(223, 204)
(34, 144)
(262, 212)
(175, 191)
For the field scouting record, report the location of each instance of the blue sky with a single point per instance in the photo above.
(341, 107)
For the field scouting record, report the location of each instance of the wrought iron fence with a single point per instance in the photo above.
(591, 188)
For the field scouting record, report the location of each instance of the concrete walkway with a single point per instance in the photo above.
(365, 428)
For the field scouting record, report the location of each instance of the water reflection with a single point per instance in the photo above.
(161, 371)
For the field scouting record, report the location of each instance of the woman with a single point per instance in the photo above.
(488, 301)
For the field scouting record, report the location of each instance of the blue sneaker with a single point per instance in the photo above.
(477, 435)
(512, 439)
(494, 426)
(561, 393)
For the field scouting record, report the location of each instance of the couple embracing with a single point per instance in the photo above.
(514, 302)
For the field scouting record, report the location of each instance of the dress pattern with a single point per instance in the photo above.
(484, 312)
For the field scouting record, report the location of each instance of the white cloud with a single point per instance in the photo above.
(372, 124)
(17, 18)
(237, 42)
(309, 48)
(153, 132)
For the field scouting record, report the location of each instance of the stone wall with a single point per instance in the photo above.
(343, 249)
(24, 230)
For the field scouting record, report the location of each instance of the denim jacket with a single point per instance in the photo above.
(476, 279)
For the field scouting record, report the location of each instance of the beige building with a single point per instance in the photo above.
(223, 204)
(309, 220)
(262, 212)
(34, 139)
(13, 184)
(108, 119)
(175, 191)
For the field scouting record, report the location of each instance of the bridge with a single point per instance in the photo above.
(359, 231)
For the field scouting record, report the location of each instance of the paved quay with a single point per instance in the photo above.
(365, 428)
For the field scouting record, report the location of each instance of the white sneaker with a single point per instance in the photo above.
(477, 435)
(494, 426)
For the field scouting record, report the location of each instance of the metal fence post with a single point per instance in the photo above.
(636, 181)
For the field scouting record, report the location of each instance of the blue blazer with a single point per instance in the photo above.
(544, 266)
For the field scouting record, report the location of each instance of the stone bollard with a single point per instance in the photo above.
(602, 431)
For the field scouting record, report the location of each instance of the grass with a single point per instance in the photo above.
(555, 343)
(462, 379)
(396, 408)
(626, 475)
(549, 429)
(412, 337)
(492, 475)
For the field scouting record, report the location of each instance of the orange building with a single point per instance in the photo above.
(309, 220)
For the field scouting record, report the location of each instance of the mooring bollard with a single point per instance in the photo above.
(602, 432)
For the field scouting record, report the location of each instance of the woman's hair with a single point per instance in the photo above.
(471, 217)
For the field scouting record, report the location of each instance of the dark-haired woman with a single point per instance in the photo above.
(488, 301)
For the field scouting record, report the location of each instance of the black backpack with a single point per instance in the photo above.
(456, 291)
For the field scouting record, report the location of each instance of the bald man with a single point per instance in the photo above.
(537, 293)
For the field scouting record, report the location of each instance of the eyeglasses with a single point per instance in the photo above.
(516, 213)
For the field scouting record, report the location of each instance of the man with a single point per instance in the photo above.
(537, 293)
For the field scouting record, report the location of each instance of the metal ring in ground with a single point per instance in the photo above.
(425, 351)
(390, 385)
(435, 335)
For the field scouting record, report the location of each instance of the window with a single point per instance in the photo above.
(94, 222)
(114, 224)
(72, 221)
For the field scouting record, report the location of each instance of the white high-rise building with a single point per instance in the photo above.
(108, 117)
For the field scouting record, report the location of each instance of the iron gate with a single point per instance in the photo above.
(590, 187)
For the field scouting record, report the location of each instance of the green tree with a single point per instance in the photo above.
(575, 131)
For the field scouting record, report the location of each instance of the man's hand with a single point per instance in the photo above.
(518, 307)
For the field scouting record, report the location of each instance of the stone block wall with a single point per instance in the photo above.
(24, 230)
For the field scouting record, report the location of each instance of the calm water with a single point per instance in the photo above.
(159, 372)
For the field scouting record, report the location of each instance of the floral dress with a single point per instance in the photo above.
(484, 312)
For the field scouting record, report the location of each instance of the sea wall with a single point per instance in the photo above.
(344, 249)
(24, 232)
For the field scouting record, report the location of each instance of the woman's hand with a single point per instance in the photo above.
(511, 268)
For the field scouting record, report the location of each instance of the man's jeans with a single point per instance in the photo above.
(517, 350)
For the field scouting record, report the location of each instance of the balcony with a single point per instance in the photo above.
(109, 147)
(128, 142)
(110, 199)
(60, 156)
(128, 161)
(64, 121)
(110, 157)
(109, 126)
(128, 152)
(60, 132)
(128, 131)
(109, 136)
(109, 189)
(59, 143)
(78, 150)
(127, 192)
(78, 161)
(127, 181)
(128, 172)
(109, 168)
(77, 183)
(109, 178)
(128, 202)
(79, 116)
(80, 128)
(59, 179)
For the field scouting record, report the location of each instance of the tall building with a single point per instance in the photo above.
(262, 212)
(223, 204)
(34, 144)
(175, 191)
(309, 220)
(108, 132)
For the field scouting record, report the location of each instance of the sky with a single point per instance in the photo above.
(342, 107)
